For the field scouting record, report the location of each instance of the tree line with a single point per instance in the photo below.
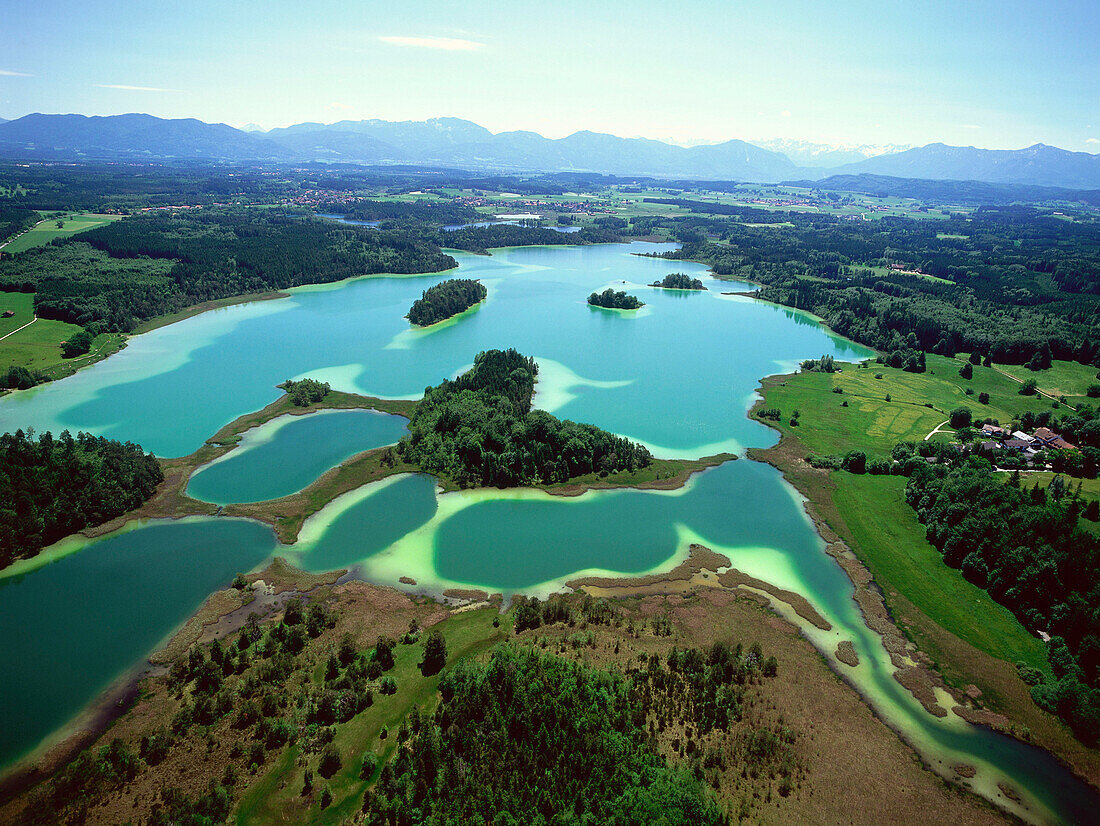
(1027, 549)
(479, 429)
(1004, 282)
(123, 273)
(50, 488)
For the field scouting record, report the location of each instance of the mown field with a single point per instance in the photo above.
(38, 347)
(873, 423)
(970, 638)
(46, 231)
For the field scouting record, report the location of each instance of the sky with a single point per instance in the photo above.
(998, 75)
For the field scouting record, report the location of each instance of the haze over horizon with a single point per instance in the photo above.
(869, 74)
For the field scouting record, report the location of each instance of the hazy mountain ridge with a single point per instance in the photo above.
(1039, 165)
(810, 154)
(458, 143)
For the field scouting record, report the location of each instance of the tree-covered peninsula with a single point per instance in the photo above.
(479, 429)
(446, 299)
(613, 300)
(679, 281)
(50, 488)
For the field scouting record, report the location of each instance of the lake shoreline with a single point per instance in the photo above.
(920, 676)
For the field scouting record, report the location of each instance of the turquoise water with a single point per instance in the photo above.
(71, 627)
(287, 454)
(679, 375)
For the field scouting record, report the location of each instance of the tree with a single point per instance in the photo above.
(330, 762)
(77, 344)
(983, 398)
(435, 654)
(967, 371)
(1029, 388)
(961, 417)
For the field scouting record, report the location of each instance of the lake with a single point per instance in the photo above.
(678, 375)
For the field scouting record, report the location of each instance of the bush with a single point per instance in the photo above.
(983, 398)
(1093, 392)
(855, 461)
(1029, 388)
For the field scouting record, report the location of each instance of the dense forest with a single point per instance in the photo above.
(532, 738)
(1008, 283)
(479, 429)
(421, 210)
(482, 239)
(50, 488)
(679, 281)
(15, 219)
(446, 299)
(1024, 546)
(120, 274)
(613, 300)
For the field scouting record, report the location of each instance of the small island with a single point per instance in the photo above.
(446, 299)
(612, 300)
(480, 430)
(679, 281)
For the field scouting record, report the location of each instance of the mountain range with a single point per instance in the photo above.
(461, 144)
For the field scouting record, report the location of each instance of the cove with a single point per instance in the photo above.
(286, 454)
(73, 626)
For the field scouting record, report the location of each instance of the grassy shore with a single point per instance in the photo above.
(969, 639)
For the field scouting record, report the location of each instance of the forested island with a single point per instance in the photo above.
(613, 300)
(50, 488)
(679, 281)
(446, 299)
(479, 429)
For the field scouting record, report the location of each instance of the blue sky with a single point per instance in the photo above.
(989, 74)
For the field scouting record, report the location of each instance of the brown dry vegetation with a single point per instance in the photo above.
(840, 763)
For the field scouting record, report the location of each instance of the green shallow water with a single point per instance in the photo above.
(677, 375)
(287, 454)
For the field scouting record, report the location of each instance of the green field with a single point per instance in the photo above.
(891, 542)
(874, 425)
(276, 797)
(46, 231)
(1064, 378)
(38, 347)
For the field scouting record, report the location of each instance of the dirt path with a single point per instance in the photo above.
(17, 329)
(936, 430)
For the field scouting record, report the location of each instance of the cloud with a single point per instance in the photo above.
(786, 113)
(450, 44)
(127, 88)
(969, 126)
(343, 107)
(1092, 140)
(7, 73)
